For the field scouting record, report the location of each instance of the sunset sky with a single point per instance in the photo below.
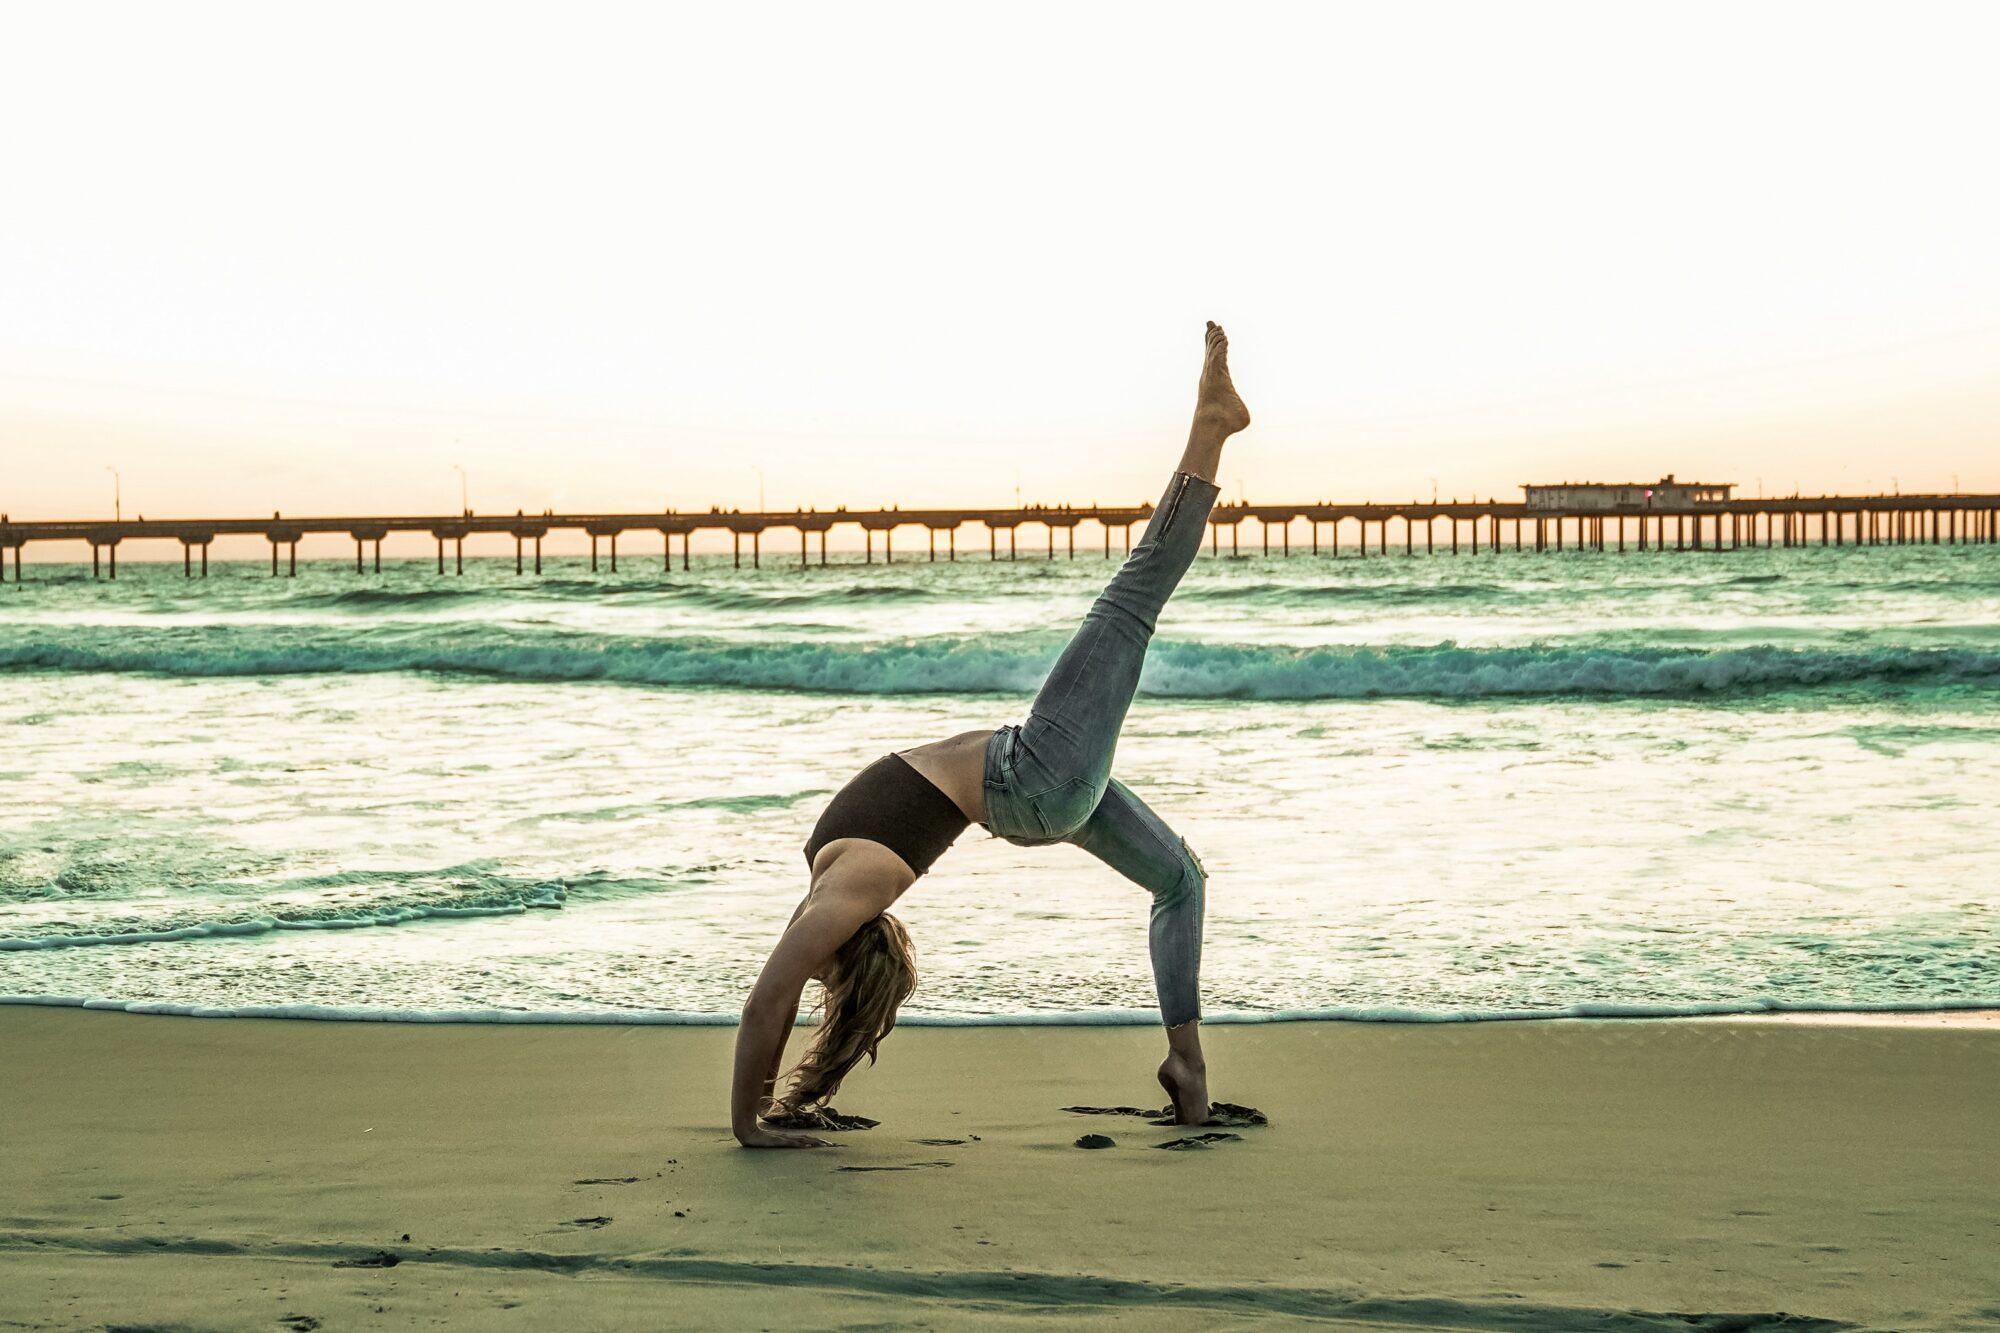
(309, 258)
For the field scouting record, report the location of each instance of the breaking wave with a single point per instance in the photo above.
(999, 663)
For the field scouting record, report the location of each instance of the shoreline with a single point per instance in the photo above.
(1558, 1175)
(1949, 1013)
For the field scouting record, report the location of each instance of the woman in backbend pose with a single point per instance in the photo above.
(1046, 780)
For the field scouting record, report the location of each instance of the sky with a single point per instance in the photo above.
(317, 258)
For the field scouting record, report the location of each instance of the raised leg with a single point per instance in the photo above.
(1062, 753)
(1071, 733)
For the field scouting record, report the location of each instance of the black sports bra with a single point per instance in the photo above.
(891, 803)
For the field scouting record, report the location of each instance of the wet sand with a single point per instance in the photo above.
(171, 1172)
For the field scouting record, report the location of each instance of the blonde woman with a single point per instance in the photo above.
(1046, 780)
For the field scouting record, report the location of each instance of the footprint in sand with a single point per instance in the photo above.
(913, 1166)
(1199, 1141)
(608, 1180)
(938, 1143)
(1226, 1115)
(590, 1222)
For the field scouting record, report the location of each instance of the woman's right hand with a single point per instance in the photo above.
(760, 1137)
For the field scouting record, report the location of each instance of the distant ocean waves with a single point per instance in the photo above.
(373, 601)
(997, 663)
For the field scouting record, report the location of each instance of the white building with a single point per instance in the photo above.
(1629, 497)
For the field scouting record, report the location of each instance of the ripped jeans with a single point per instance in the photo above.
(1049, 779)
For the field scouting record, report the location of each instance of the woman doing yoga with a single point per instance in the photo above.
(1046, 780)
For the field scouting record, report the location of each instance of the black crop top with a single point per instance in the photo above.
(891, 803)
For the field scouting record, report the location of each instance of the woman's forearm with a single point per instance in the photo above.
(770, 1088)
(760, 1044)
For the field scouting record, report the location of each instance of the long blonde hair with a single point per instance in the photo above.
(870, 977)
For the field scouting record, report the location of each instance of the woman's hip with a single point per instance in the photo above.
(1033, 797)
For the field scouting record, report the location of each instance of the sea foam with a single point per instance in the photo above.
(1088, 1018)
(548, 896)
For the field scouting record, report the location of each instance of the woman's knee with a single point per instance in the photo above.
(1188, 891)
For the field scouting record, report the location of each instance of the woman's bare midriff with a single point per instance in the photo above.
(957, 767)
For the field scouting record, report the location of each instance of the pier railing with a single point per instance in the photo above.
(1467, 527)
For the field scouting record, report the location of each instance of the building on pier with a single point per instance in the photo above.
(1630, 497)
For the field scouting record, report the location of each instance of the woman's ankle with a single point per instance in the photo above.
(1184, 1045)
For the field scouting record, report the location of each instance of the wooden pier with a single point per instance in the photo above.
(1454, 528)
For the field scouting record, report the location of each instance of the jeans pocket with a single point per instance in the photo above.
(1061, 811)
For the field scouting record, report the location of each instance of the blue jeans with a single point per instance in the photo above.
(1049, 779)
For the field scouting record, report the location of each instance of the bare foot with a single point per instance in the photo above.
(1218, 408)
(1218, 411)
(1186, 1082)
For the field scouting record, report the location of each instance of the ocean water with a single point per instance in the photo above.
(1424, 788)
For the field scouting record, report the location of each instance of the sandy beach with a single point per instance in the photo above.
(171, 1172)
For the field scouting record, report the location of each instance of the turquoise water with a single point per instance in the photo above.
(1423, 787)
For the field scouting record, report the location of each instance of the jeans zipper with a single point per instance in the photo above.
(1181, 480)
